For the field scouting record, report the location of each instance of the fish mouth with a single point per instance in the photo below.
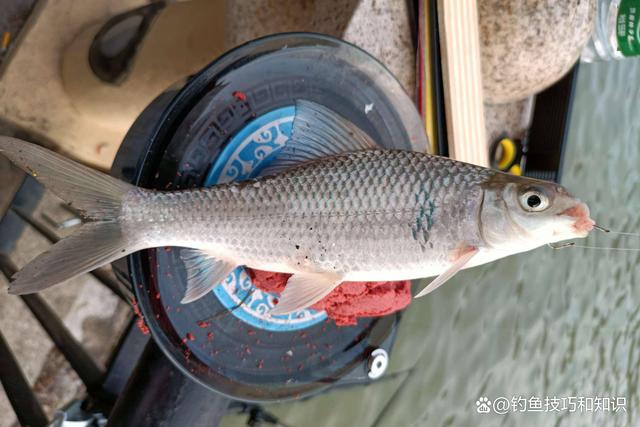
(582, 224)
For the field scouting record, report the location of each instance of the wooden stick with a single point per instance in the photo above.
(462, 78)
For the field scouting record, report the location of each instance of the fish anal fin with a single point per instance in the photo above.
(462, 256)
(304, 290)
(204, 272)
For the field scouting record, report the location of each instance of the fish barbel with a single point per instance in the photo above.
(334, 207)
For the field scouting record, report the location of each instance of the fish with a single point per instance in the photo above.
(332, 207)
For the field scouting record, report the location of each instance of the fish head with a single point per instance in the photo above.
(520, 213)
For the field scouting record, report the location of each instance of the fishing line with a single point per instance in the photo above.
(604, 230)
(610, 249)
(573, 245)
(622, 233)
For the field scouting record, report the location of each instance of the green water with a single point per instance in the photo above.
(542, 324)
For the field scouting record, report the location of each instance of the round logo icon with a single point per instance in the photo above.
(246, 154)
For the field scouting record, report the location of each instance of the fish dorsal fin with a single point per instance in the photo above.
(304, 290)
(204, 272)
(468, 253)
(318, 132)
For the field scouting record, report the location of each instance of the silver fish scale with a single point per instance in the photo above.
(365, 212)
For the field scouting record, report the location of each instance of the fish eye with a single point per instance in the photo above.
(533, 200)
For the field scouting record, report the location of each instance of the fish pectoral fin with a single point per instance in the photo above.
(318, 132)
(204, 272)
(304, 290)
(466, 254)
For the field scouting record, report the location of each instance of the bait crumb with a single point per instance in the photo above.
(240, 96)
(210, 336)
(203, 324)
(349, 301)
(140, 323)
(190, 336)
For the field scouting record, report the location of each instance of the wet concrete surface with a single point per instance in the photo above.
(13, 16)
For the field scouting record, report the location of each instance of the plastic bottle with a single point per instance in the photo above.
(616, 31)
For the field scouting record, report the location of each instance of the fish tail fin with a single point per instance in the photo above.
(94, 245)
(97, 196)
(94, 194)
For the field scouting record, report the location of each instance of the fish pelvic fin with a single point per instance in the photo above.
(465, 256)
(204, 272)
(305, 289)
(97, 196)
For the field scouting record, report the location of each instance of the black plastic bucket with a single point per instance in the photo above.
(228, 122)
